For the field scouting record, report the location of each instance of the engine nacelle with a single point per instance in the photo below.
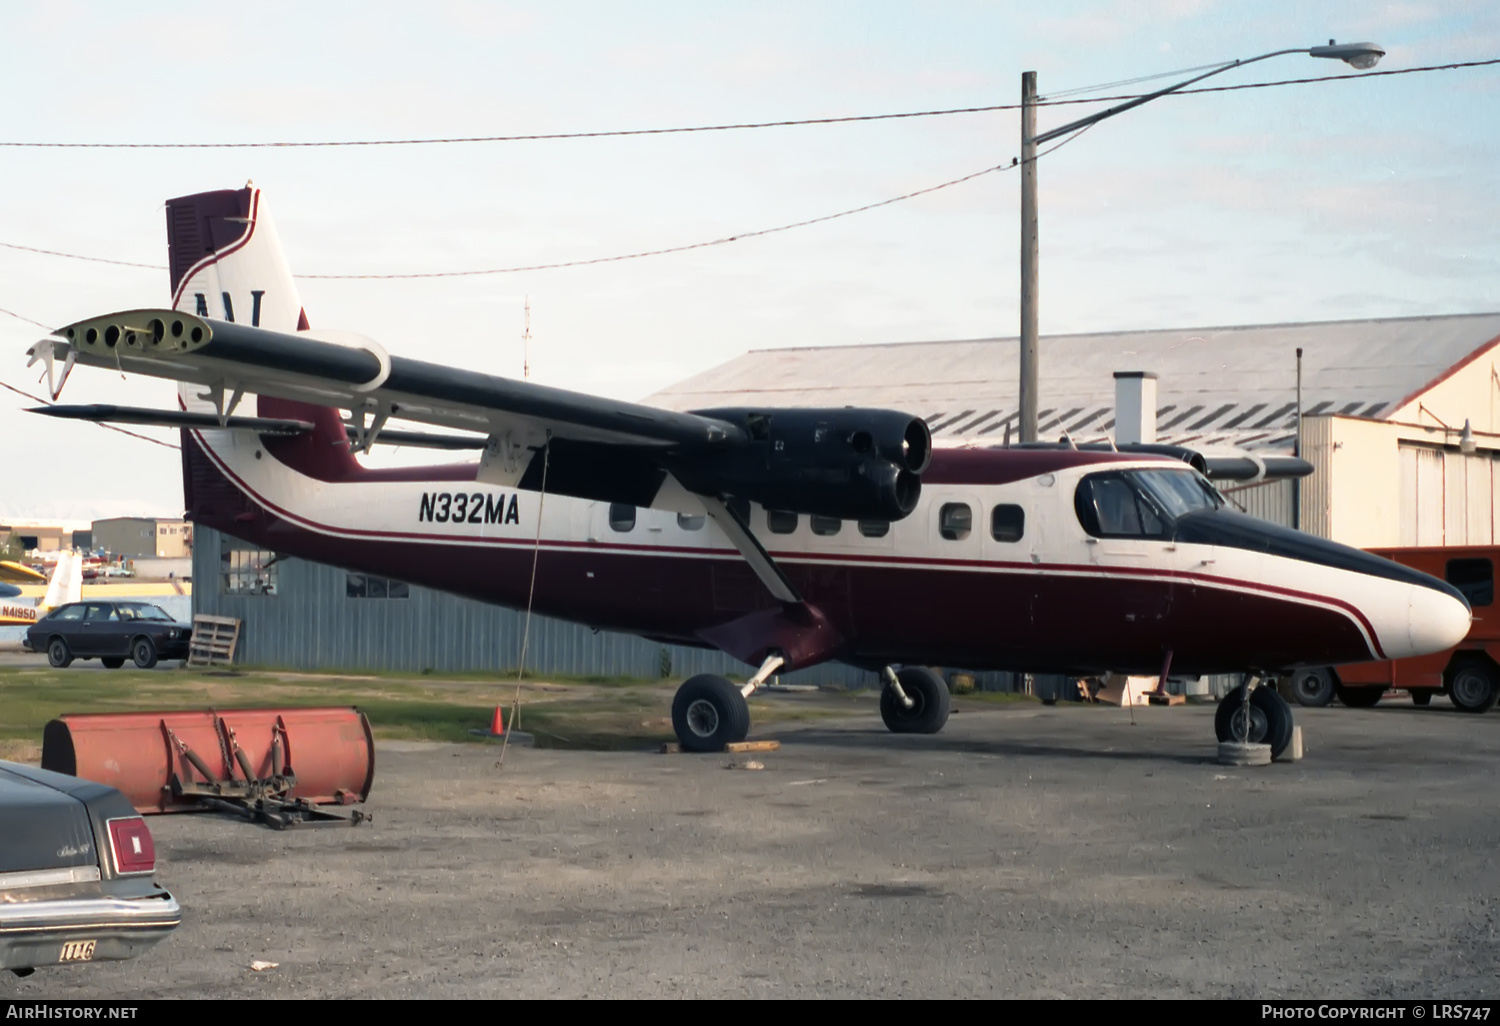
(848, 463)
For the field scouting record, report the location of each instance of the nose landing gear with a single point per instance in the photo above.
(1265, 718)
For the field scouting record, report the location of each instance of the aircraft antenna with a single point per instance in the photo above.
(526, 345)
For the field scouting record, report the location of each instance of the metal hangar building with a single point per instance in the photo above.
(1399, 417)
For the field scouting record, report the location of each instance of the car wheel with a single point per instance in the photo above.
(58, 653)
(112, 662)
(143, 652)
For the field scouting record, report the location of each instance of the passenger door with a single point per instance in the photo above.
(101, 634)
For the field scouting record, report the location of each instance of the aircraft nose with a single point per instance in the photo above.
(1436, 620)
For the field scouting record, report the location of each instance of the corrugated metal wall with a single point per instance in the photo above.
(312, 624)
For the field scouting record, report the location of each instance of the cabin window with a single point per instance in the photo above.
(955, 520)
(1111, 506)
(780, 521)
(621, 516)
(691, 521)
(371, 586)
(874, 528)
(825, 527)
(1007, 523)
(1475, 578)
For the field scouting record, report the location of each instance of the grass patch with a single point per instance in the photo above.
(600, 713)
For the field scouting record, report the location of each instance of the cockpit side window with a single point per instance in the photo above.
(1110, 505)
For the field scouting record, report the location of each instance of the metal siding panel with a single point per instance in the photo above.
(1455, 499)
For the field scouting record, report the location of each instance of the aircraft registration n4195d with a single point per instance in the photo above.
(784, 537)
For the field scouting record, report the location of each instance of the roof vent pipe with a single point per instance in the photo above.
(1135, 407)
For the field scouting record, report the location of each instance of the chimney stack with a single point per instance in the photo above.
(1135, 407)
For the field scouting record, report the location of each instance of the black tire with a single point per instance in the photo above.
(1472, 686)
(708, 713)
(1421, 697)
(1360, 698)
(59, 654)
(1313, 686)
(1270, 719)
(112, 662)
(143, 652)
(930, 702)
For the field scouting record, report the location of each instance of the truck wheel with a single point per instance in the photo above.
(1360, 698)
(1472, 686)
(1313, 686)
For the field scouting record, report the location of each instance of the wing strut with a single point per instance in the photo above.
(755, 554)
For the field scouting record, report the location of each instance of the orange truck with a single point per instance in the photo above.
(1469, 674)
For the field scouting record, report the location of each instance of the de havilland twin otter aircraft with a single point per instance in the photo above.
(784, 537)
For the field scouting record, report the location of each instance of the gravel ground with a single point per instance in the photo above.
(1026, 851)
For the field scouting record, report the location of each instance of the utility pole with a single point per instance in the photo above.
(1028, 387)
(526, 345)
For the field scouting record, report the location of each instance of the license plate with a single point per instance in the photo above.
(77, 951)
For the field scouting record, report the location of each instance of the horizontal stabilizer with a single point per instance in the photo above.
(103, 413)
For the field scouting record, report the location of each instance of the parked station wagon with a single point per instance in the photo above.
(76, 873)
(110, 632)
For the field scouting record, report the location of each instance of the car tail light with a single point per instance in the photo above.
(130, 840)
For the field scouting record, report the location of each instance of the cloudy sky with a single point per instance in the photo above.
(1334, 200)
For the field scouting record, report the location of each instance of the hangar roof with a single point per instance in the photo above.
(1217, 386)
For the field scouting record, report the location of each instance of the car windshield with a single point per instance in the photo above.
(1178, 491)
(142, 611)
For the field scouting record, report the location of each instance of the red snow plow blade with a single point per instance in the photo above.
(271, 765)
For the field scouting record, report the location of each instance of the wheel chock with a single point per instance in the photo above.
(1238, 753)
(733, 748)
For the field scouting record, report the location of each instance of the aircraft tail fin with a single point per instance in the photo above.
(226, 262)
(66, 584)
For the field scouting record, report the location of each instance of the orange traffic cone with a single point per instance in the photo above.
(497, 726)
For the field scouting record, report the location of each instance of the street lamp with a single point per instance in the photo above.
(1356, 55)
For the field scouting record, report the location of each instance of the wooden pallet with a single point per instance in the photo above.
(214, 639)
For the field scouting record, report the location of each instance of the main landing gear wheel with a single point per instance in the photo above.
(929, 699)
(1270, 719)
(1313, 686)
(58, 653)
(1472, 687)
(708, 713)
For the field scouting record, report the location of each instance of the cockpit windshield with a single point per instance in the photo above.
(1179, 491)
(1141, 503)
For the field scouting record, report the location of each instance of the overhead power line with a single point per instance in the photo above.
(729, 127)
(595, 260)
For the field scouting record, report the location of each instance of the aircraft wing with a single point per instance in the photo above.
(844, 462)
(16, 573)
